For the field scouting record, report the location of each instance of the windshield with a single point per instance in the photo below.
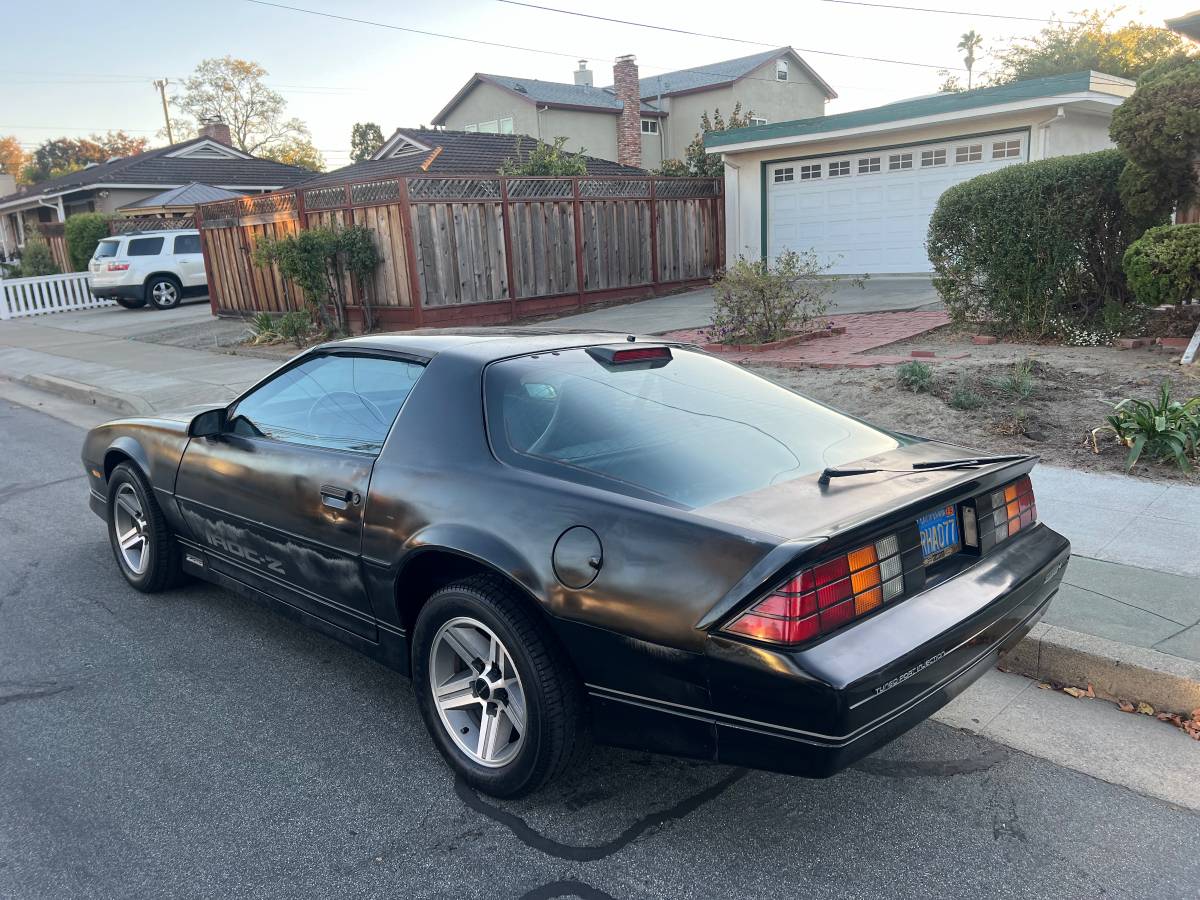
(692, 429)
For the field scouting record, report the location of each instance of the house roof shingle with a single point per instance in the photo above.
(719, 73)
(187, 195)
(454, 153)
(157, 167)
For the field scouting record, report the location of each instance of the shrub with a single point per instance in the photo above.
(36, 258)
(1164, 428)
(916, 377)
(294, 326)
(1163, 265)
(84, 232)
(1020, 383)
(758, 301)
(1023, 246)
(965, 394)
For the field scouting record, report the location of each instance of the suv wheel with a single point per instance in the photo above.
(164, 292)
(494, 688)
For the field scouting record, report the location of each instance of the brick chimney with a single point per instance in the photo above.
(214, 128)
(583, 75)
(629, 125)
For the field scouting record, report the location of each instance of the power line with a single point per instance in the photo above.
(950, 12)
(583, 15)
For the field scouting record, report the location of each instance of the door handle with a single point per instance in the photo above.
(336, 497)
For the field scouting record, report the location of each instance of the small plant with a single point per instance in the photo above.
(1020, 383)
(545, 159)
(759, 301)
(916, 377)
(295, 327)
(965, 394)
(263, 329)
(1165, 429)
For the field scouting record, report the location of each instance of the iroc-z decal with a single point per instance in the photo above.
(243, 552)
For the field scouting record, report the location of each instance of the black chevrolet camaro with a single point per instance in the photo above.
(563, 534)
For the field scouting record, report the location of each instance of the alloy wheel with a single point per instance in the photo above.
(131, 528)
(164, 293)
(477, 691)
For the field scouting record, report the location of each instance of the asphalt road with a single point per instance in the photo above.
(195, 745)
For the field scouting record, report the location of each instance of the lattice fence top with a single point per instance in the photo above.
(220, 210)
(540, 189)
(375, 192)
(325, 197)
(686, 187)
(613, 187)
(454, 188)
(264, 204)
(150, 223)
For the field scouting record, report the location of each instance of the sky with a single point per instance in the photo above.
(73, 70)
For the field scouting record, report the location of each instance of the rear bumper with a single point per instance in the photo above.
(125, 291)
(813, 712)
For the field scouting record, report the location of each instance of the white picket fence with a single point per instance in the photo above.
(20, 297)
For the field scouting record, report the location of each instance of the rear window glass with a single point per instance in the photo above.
(694, 429)
(105, 249)
(145, 247)
(187, 243)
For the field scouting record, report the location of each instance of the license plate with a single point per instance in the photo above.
(939, 534)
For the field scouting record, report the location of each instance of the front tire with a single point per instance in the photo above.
(131, 302)
(494, 688)
(164, 292)
(145, 548)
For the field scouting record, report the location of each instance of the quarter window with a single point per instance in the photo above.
(808, 173)
(781, 70)
(868, 164)
(145, 247)
(933, 158)
(649, 126)
(341, 402)
(899, 161)
(782, 175)
(837, 169)
(968, 153)
(757, 120)
(1006, 149)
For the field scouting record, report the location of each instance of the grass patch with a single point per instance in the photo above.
(916, 377)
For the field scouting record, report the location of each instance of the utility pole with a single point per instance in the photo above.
(161, 84)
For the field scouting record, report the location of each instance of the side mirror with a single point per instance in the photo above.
(208, 424)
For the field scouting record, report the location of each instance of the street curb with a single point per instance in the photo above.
(126, 404)
(1116, 671)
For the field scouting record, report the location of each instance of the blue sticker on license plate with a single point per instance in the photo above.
(939, 534)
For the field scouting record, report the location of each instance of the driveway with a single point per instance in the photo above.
(693, 309)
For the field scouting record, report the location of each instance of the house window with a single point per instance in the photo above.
(757, 120)
(506, 125)
(492, 127)
(649, 126)
(781, 70)
(837, 169)
(471, 128)
(1006, 149)
(899, 161)
(808, 173)
(968, 153)
(933, 158)
(782, 175)
(868, 164)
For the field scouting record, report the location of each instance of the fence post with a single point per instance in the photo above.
(577, 215)
(653, 237)
(4, 313)
(410, 250)
(508, 261)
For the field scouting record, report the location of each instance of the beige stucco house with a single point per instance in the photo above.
(858, 188)
(638, 121)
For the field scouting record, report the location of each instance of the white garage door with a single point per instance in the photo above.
(869, 211)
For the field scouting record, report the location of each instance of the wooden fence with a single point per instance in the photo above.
(42, 294)
(471, 250)
(56, 236)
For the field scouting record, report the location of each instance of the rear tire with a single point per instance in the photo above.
(509, 720)
(164, 292)
(145, 547)
(131, 302)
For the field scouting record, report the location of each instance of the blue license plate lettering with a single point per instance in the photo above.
(939, 534)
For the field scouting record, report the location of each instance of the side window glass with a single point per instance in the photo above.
(145, 247)
(340, 402)
(187, 243)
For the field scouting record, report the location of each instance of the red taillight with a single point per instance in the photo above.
(1013, 508)
(118, 267)
(826, 597)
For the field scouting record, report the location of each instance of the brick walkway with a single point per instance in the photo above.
(864, 332)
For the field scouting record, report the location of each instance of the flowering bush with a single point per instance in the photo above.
(1074, 335)
(759, 301)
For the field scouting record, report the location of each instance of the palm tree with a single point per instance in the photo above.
(970, 42)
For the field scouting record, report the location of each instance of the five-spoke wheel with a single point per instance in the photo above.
(131, 527)
(146, 550)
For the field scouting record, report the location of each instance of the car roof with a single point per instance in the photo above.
(157, 233)
(484, 344)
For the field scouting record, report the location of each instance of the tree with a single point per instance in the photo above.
(12, 157)
(234, 91)
(1127, 51)
(969, 43)
(544, 159)
(59, 156)
(297, 150)
(950, 83)
(365, 139)
(696, 162)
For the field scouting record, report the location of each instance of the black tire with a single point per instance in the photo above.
(131, 302)
(163, 291)
(553, 695)
(162, 568)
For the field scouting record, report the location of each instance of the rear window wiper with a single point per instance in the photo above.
(966, 462)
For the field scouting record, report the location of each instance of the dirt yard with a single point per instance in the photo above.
(1070, 391)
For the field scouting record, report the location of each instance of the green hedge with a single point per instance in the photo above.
(1163, 265)
(84, 231)
(1032, 243)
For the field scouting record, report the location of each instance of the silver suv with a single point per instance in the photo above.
(155, 267)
